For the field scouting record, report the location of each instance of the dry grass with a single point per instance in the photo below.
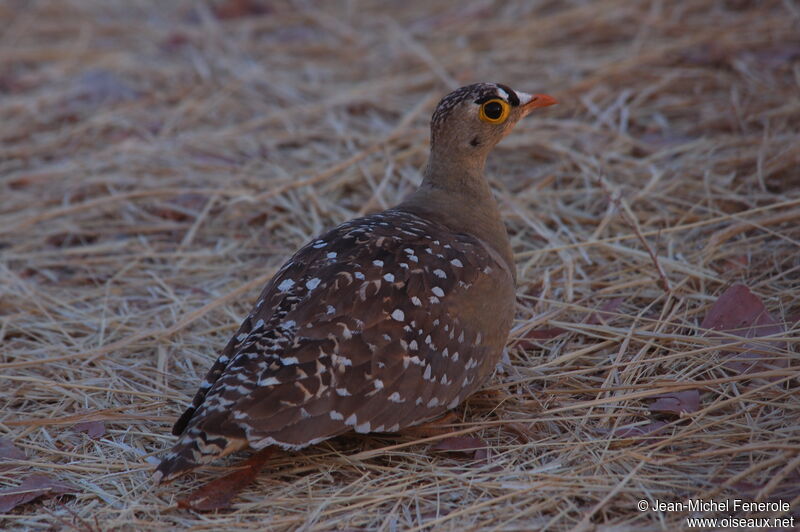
(158, 163)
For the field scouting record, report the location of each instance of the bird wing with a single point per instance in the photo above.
(374, 326)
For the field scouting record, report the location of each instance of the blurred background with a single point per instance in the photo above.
(159, 160)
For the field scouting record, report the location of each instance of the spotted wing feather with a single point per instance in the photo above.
(374, 327)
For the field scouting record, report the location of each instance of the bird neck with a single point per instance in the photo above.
(455, 193)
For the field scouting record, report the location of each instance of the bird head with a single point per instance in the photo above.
(469, 121)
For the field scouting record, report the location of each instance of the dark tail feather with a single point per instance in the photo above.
(183, 421)
(194, 449)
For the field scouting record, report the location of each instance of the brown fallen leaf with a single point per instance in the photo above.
(786, 489)
(636, 431)
(684, 401)
(229, 9)
(459, 444)
(740, 312)
(219, 493)
(93, 429)
(525, 434)
(468, 445)
(605, 312)
(544, 334)
(528, 340)
(433, 428)
(631, 434)
(33, 487)
(8, 451)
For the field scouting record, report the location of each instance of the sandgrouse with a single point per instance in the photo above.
(385, 321)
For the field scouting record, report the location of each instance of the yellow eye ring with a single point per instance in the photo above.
(495, 111)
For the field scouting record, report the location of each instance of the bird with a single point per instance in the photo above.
(384, 322)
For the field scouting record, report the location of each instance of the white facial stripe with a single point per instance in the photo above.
(524, 97)
(503, 94)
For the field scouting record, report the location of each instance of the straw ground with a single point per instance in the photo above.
(160, 160)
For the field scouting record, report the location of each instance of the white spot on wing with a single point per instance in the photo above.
(398, 315)
(437, 291)
(389, 277)
(457, 263)
(312, 283)
(440, 273)
(285, 285)
(395, 398)
(336, 415)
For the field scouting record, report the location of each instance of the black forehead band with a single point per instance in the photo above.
(513, 99)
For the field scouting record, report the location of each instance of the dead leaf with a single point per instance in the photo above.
(605, 313)
(787, 489)
(181, 208)
(240, 8)
(636, 431)
(630, 434)
(684, 401)
(93, 429)
(433, 428)
(459, 444)
(468, 445)
(528, 340)
(544, 334)
(8, 451)
(483, 455)
(524, 433)
(98, 86)
(33, 487)
(218, 494)
(740, 312)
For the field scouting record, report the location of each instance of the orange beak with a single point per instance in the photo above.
(538, 100)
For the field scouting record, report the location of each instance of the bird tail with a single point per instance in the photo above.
(195, 448)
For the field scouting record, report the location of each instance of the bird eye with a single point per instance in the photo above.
(494, 111)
